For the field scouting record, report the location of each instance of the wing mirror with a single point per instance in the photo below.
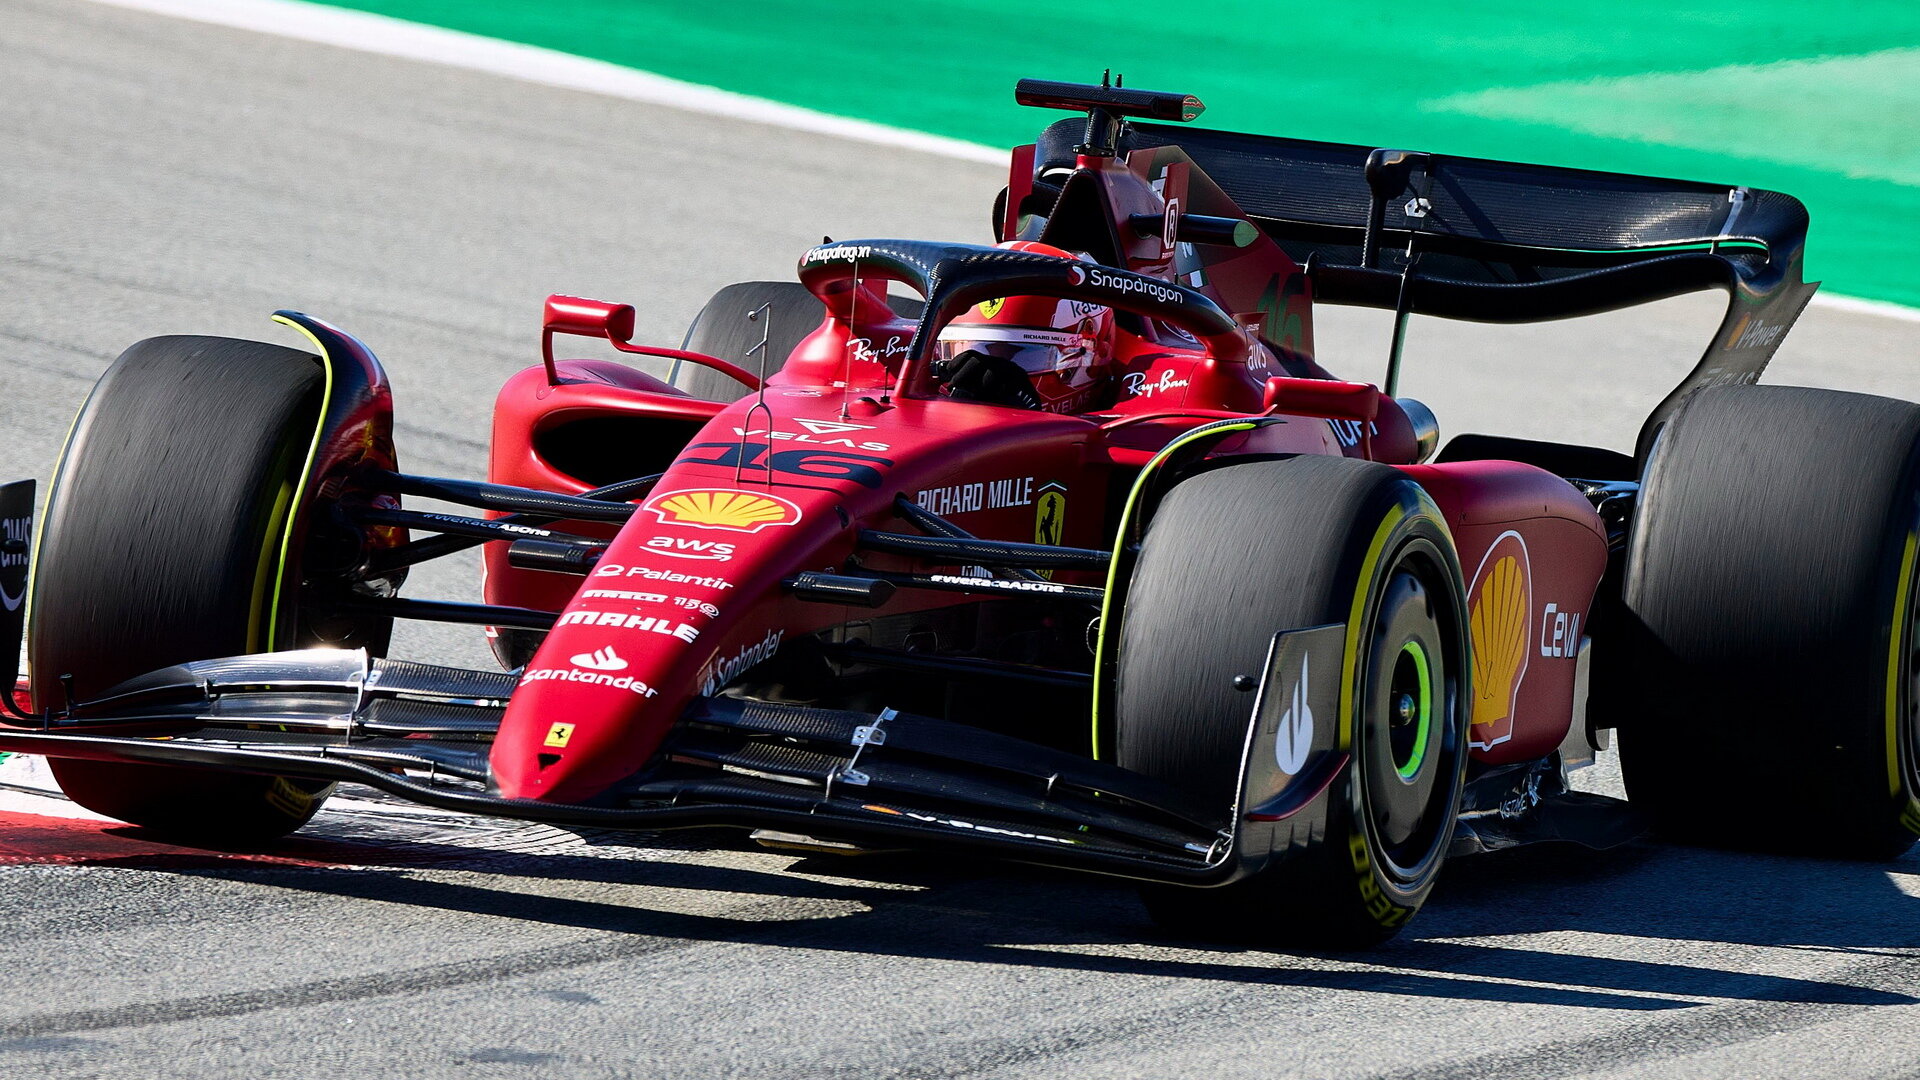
(1327, 398)
(587, 318)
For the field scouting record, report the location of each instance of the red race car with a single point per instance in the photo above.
(1075, 556)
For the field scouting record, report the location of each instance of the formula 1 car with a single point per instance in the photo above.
(1077, 556)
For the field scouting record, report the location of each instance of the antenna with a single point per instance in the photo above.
(846, 354)
(764, 316)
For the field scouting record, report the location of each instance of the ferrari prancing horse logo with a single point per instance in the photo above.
(1050, 518)
(1050, 515)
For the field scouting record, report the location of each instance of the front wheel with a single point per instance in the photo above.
(166, 541)
(1237, 554)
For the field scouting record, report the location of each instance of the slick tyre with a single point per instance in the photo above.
(1237, 554)
(162, 544)
(723, 329)
(1762, 672)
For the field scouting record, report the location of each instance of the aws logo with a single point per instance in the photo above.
(732, 511)
(679, 548)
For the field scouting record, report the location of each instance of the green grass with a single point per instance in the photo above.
(1768, 94)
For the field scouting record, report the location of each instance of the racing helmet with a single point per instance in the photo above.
(1060, 345)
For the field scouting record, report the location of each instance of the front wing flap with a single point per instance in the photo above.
(422, 733)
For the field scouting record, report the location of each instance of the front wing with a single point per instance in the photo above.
(422, 732)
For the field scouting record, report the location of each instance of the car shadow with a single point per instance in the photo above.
(1481, 937)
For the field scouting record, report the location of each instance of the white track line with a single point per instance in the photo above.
(1857, 306)
(414, 41)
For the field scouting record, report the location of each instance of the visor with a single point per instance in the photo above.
(1032, 359)
(1018, 335)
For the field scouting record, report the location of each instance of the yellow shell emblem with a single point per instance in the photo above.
(1497, 622)
(734, 511)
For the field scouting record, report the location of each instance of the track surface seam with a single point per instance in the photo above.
(1709, 1027)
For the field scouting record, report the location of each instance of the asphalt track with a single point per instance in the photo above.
(162, 177)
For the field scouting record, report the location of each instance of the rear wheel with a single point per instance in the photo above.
(1763, 676)
(723, 330)
(163, 543)
(1237, 554)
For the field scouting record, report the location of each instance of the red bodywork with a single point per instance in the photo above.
(689, 594)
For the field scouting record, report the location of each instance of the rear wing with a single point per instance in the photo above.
(1499, 241)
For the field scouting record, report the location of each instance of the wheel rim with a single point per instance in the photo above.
(1411, 740)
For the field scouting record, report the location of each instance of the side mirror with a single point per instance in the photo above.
(587, 318)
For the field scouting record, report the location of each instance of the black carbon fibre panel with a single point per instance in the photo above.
(882, 774)
(781, 759)
(398, 716)
(953, 743)
(1302, 181)
(432, 680)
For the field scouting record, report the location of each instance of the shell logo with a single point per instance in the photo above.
(1499, 607)
(730, 511)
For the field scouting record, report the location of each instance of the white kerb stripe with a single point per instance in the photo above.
(1857, 306)
(413, 41)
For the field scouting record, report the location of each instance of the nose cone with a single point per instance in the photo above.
(578, 708)
(686, 597)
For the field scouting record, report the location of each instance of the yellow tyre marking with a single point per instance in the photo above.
(1362, 591)
(306, 474)
(257, 609)
(1896, 643)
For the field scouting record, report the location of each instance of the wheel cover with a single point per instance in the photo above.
(1411, 695)
(1410, 740)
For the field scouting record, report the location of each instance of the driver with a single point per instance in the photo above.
(1034, 352)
